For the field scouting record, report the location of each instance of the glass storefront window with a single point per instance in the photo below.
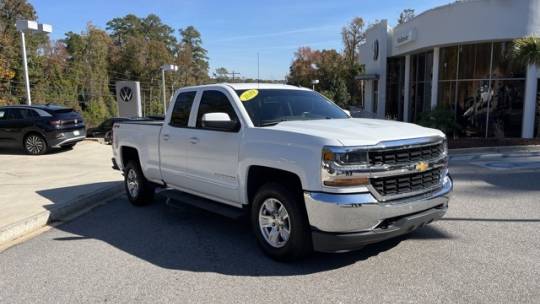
(481, 83)
(447, 94)
(474, 61)
(472, 106)
(420, 93)
(506, 108)
(503, 65)
(448, 58)
(394, 88)
(480, 96)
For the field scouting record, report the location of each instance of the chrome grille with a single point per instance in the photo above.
(405, 156)
(402, 184)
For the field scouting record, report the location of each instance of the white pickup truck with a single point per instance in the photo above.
(308, 175)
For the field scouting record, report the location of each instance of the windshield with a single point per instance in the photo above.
(267, 107)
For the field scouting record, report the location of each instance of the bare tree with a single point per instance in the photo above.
(406, 15)
(353, 34)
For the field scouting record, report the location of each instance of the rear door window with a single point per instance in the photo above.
(182, 108)
(29, 114)
(13, 114)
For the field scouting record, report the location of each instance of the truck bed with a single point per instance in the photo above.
(143, 136)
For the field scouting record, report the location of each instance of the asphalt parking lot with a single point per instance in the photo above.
(486, 250)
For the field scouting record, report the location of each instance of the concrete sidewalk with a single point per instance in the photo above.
(37, 190)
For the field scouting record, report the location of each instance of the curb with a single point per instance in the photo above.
(60, 212)
(468, 154)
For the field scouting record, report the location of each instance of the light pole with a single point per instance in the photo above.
(314, 82)
(166, 68)
(28, 25)
(315, 67)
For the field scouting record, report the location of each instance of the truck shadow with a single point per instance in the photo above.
(189, 239)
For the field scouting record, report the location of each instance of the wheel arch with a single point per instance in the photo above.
(127, 154)
(258, 175)
(30, 132)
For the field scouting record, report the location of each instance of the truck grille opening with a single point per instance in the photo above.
(402, 184)
(404, 156)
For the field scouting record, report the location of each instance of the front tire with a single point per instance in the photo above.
(280, 223)
(139, 191)
(35, 144)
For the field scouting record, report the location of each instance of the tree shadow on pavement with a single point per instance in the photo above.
(186, 238)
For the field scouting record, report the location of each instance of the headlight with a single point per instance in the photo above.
(338, 164)
(445, 147)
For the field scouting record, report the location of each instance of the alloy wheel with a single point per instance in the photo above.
(34, 144)
(274, 223)
(132, 183)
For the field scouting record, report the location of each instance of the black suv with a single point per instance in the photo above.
(39, 128)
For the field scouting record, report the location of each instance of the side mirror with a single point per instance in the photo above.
(219, 121)
(347, 112)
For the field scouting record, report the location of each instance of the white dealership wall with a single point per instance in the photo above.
(469, 21)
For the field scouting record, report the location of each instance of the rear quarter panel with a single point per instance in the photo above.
(143, 137)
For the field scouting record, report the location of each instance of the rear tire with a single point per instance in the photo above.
(35, 144)
(139, 190)
(280, 223)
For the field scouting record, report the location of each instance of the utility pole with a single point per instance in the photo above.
(233, 73)
(258, 69)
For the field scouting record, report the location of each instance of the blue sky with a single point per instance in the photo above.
(234, 32)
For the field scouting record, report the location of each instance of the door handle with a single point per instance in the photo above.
(165, 137)
(193, 140)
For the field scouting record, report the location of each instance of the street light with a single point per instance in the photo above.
(166, 68)
(314, 82)
(315, 67)
(33, 26)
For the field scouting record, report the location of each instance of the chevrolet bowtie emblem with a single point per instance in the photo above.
(422, 166)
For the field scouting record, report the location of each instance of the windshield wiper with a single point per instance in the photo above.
(272, 122)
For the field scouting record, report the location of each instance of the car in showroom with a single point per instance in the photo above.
(39, 128)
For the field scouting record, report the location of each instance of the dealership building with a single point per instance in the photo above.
(458, 56)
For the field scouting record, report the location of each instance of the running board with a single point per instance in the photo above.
(175, 196)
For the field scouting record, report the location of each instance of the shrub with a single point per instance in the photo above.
(441, 118)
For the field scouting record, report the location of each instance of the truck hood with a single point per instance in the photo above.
(357, 131)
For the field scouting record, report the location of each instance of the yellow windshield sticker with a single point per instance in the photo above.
(249, 95)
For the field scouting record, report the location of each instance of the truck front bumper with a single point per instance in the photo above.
(344, 222)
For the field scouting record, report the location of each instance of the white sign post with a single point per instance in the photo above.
(128, 98)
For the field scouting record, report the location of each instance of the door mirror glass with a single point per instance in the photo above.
(219, 121)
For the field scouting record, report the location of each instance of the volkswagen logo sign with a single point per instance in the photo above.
(126, 94)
